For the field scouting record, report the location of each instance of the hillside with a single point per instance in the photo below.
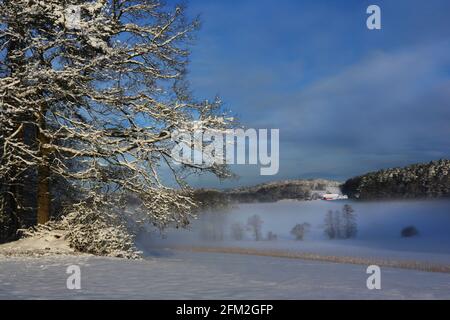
(268, 192)
(288, 189)
(428, 180)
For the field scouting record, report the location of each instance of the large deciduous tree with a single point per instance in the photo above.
(93, 103)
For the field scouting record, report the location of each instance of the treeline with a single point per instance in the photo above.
(267, 192)
(429, 180)
(339, 224)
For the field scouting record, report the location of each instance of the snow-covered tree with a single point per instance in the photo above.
(331, 227)
(299, 230)
(254, 225)
(341, 224)
(350, 227)
(92, 99)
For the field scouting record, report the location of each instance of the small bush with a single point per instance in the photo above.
(300, 230)
(271, 236)
(409, 231)
(254, 224)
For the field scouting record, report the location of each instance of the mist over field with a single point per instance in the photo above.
(379, 226)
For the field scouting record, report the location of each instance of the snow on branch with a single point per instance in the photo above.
(106, 95)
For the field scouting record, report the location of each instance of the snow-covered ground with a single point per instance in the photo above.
(185, 275)
(51, 243)
(177, 268)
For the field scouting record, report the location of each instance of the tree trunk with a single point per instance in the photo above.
(43, 194)
(43, 208)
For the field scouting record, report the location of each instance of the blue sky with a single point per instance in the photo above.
(346, 99)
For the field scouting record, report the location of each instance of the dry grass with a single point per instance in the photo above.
(412, 265)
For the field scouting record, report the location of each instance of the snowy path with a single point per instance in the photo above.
(186, 275)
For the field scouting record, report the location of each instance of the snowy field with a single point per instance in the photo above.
(182, 275)
(168, 272)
